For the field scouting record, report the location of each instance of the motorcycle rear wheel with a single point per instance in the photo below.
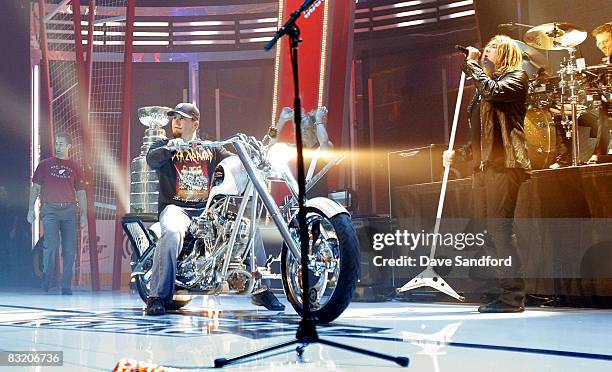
(335, 288)
(143, 288)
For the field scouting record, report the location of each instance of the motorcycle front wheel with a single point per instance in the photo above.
(333, 268)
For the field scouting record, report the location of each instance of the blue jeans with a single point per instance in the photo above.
(174, 223)
(59, 220)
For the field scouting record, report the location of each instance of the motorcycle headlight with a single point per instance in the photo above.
(279, 154)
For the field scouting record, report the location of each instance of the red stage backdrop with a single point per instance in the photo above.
(324, 64)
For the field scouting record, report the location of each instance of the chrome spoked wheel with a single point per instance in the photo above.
(333, 265)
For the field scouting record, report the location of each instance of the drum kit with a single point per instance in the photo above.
(556, 101)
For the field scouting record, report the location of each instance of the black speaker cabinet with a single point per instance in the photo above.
(418, 166)
(375, 282)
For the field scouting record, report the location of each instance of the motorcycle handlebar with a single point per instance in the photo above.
(248, 141)
(207, 143)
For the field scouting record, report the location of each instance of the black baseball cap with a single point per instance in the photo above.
(186, 110)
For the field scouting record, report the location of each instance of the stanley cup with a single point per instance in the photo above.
(144, 186)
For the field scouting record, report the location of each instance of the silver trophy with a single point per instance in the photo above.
(144, 185)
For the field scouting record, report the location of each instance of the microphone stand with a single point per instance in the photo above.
(307, 329)
(429, 277)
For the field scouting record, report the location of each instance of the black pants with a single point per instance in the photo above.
(598, 122)
(495, 195)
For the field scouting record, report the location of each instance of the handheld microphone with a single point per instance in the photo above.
(462, 49)
(526, 56)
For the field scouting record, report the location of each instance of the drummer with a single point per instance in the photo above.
(603, 37)
(597, 118)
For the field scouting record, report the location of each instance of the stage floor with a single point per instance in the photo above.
(94, 331)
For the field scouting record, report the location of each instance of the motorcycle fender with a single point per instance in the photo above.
(329, 207)
(155, 229)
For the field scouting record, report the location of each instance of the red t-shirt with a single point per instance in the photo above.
(59, 180)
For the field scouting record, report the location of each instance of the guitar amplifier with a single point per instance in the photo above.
(420, 165)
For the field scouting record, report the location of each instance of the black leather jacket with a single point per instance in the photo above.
(502, 106)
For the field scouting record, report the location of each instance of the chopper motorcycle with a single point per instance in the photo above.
(218, 255)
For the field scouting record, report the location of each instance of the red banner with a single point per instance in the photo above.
(324, 59)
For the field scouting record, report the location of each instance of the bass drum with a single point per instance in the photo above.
(541, 136)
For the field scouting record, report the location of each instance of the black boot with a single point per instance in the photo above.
(499, 306)
(268, 300)
(155, 306)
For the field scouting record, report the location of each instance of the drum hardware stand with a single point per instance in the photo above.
(570, 124)
(307, 329)
(429, 277)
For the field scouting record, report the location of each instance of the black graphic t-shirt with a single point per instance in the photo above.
(184, 176)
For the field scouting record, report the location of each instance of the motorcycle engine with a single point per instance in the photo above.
(212, 232)
(243, 233)
(202, 228)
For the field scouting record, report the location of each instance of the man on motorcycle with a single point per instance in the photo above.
(184, 183)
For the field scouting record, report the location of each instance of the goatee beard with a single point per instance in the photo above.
(176, 134)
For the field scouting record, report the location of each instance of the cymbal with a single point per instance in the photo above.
(534, 62)
(555, 36)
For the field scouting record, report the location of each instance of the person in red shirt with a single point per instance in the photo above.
(59, 183)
